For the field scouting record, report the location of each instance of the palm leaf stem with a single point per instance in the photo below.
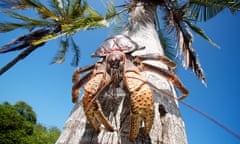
(18, 58)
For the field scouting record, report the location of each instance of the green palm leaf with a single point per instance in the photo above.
(60, 56)
(200, 32)
(66, 18)
(204, 10)
(76, 52)
(65, 43)
(9, 26)
(77, 9)
(43, 11)
(25, 21)
(26, 41)
(13, 4)
(21, 56)
(177, 31)
(56, 7)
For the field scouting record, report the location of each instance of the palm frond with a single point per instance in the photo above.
(200, 32)
(50, 36)
(76, 52)
(66, 18)
(9, 26)
(111, 9)
(190, 60)
(65, 44)
(92, 13)
(203, 10)
(61, 54)
(42, 10)
(57, 7)
(26, 20)
(87, 19)
(120, 20)
(69, 10)
(13, 4)
(178, 23)
(21, 56)
(77, 9)
(177, 28)
(25, 41)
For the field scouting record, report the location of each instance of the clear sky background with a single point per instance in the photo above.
(47, 88)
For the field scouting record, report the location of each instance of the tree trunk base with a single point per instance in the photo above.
(168, 126)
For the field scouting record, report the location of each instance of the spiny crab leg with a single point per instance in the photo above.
(78, 71)
(78, 83)
(141, 100)
(169, 76)
(92, 107)
(153, 56)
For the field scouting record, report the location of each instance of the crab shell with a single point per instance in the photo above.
(116, 43)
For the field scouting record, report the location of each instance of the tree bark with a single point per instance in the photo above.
(168, 126)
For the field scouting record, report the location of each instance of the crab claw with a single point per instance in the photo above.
(92, 107)
(141, 100)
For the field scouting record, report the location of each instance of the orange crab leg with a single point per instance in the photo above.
(78, 71)
(78, 83)
(141, 100)
(92, 108)
(169, 76)
(172, 65)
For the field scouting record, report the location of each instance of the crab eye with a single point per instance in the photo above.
(135, 63)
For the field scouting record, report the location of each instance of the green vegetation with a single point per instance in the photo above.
(18, 125)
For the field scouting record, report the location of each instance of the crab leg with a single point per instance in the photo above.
(78, 83)
(92, 108)
(78, 71)
(169, 76)
(172, 65)
(141, 100)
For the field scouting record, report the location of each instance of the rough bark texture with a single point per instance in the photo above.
(168, 127)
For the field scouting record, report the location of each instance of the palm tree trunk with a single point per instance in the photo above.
(168, 127)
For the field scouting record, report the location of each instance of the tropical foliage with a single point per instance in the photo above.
(63, 20)
(175, 23)
(18, 125)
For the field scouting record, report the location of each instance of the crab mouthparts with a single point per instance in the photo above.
(115, 59)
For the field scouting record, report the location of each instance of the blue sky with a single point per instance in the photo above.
(47, 88)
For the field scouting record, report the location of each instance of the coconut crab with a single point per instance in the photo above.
(117, 64)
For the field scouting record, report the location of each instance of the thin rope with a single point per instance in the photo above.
(227, 129)
(212, 119)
